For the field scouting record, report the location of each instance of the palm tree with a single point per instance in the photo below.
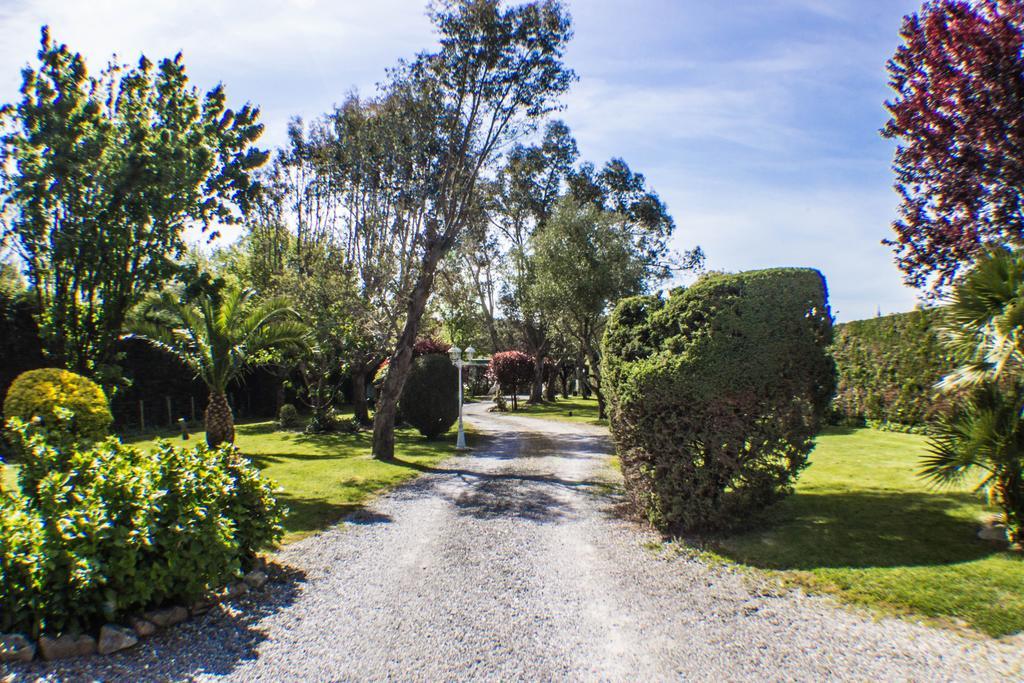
(984, 328)
(219, 335)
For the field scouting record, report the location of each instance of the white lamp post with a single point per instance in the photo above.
(456, 355)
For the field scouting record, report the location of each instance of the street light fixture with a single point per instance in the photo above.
(456, 355)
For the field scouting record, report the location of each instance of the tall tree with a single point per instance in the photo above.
(958, 118)
(495, 73)
(586, 261)
(527, 189)
(99, 178)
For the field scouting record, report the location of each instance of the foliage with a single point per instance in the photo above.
(586, 259)
(984, 330)
(959, 82)
(717, 392)
(430, 399)
(59, 402)
(863, 527)
(123, 530)
(512, 370)
(21, 348)
(219, 335)
(140, 156)
(426, 346)
(887, 370)
(288, 417)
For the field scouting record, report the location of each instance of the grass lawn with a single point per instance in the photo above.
(582, 410)
(863, 527)
(323, 477)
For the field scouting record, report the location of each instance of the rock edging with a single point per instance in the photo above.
(17, 647)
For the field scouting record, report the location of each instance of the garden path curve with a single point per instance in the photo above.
(512, 563)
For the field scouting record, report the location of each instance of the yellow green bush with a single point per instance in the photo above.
(49, 394)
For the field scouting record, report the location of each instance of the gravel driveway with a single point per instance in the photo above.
(512, 563)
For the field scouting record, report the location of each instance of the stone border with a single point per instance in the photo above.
(17, 647)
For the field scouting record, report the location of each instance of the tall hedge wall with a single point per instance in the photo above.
(887, 369)
(717, 392)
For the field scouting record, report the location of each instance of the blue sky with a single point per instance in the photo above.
(756, 120)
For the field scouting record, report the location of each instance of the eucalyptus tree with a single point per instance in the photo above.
(496, 72)
(527, 188)
(218, 332)
(608, 238)
(100, 176)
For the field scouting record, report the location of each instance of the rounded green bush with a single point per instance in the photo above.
(288, 416)
(716, 394)
(430, 400)
(61, 401)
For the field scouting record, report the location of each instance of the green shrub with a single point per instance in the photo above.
(24, 565)
(429, 400)
(288, 417)
(717, 392)
(888, 367)
(124, 530)
(59, 401)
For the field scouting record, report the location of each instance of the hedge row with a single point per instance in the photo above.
(887, 369)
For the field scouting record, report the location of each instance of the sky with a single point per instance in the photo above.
(755, 120)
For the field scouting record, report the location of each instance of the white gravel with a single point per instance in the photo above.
(511, 563)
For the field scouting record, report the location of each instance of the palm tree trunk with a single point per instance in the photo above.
(220, 424)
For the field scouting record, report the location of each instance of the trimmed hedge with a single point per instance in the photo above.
(430, 400)
(111, 530)
(45, 394)
(888, 367)
(717, 392)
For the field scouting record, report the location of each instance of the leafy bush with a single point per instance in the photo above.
(511, 370)
(116, 530)
(427, 345)
(888, 367)
(430, 401)
(288, 417)
(37, 395)
(716, 394)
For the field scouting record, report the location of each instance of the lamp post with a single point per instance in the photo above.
(457, 355)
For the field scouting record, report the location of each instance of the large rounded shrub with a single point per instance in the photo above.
(717, 392)
(119, 530)
(430, 400)
(61, 401)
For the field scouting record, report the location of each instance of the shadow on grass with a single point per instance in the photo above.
(860, 529)
(216, 643)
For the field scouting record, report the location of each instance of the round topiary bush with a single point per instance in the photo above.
(48, 393)
(430, 400)
(717, 392)
(288, 417)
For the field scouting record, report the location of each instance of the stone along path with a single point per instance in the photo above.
(511, 563)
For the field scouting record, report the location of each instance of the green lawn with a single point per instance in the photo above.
(572, 409)
(862, 526)
(322, 477)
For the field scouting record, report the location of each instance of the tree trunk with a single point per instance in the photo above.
(220, 425)
(537, 387)
(551, 387)
(595, 372)
(401, 360)
(359, 405)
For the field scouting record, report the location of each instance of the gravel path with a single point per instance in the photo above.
(512, 564)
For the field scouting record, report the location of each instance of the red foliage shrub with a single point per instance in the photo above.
(511, 370)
